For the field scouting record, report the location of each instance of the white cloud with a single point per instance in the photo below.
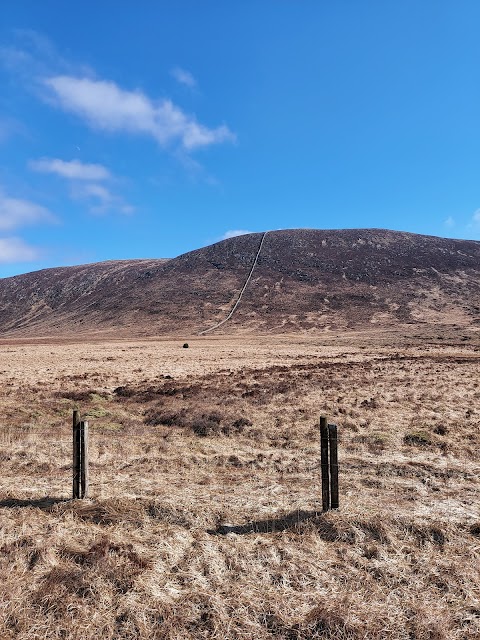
(32, 55)
(101, 198)
(73, 169)
(449, 222)
(15, 213)
(81, 176)
(100, 192)
(234, 233)
(105, 106)
(16, 250)
(14, 59)
(473, 225)
(183, 77)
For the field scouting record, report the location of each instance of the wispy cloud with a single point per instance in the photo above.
(16, 250)
(233, 233)
(105, 106)
(17, 60)
(15, 213)
(473, 226)
(87, 182)
(449, 222)
(183, 77)
(31, 55)
(73, 169)
(101, 199)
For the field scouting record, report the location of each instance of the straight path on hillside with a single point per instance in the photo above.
(241, 292)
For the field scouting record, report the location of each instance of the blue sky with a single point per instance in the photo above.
(147, 129)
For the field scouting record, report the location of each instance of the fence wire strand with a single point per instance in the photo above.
(130, 464)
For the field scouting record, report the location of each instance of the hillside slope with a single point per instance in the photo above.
(304, 280)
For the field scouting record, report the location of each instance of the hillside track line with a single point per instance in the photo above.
(241, 292)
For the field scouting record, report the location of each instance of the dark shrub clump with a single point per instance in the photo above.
(207, 424)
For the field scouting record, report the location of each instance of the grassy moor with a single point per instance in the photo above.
(205, 519)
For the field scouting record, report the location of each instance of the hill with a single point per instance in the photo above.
(304, 280)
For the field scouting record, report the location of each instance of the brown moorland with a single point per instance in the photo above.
(204, 518)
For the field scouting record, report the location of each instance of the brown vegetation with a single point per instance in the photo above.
(305, 280)
(204, 517)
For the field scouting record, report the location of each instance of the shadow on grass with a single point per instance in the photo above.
(292, 521)
(40, 503)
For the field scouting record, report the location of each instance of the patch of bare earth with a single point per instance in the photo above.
(204, 519)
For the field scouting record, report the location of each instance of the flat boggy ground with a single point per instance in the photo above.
(205, 519)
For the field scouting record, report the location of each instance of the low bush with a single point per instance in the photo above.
(417, 438)
(237, 426)
(207, 424)
(77, 396)
(124, 392)
(156, 416)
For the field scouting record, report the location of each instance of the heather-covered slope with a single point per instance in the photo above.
(305, 280)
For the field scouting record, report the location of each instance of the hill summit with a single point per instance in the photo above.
(302, 280)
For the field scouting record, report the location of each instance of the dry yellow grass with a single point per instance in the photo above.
(204, 516)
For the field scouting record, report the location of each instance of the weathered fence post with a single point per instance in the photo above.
(80, 457)
(76, 454)
(324, 463)
(84, 459)
(329, 464)
(333, 440)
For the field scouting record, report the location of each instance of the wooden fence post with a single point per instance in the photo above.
(324, 463)
(76, 454)
(84, 459)
(333, 440)
(80, 457)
